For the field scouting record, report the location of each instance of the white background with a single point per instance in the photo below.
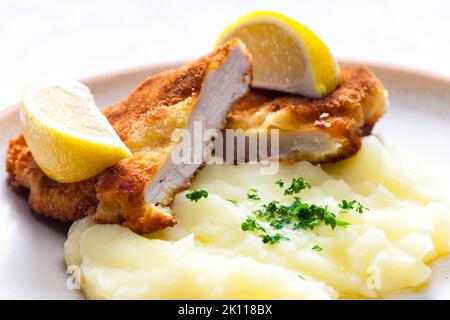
(48, 39)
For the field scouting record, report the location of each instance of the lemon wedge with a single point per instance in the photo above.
(69, 137)
(287, 56)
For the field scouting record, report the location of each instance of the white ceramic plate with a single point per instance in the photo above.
(31, 247)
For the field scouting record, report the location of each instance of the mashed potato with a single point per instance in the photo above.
(207, 256)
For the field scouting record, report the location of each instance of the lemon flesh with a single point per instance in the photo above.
(68, 136)
(287, 56)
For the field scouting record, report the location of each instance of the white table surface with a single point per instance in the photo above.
(47, 39)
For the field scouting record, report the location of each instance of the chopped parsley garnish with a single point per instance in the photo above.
(197, 195)
(272, 239)
(301, 277)
(251, 195)
(297, 185)
(295, 216)
(352, 204)
(298, 215)
(233, 201)
(280, 183)
(251, 225)
(317, 248)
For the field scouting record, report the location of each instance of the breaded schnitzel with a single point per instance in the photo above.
(125, 192)
(321, 130)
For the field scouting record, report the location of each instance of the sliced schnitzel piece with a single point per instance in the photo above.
(136, 192)
(316, 130)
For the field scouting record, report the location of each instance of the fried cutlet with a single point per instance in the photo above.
(137, 192)
(316, 130)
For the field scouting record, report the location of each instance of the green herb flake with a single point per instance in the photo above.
(297, 185)
(233, 201)
(251, 225)
(317, 248)
(251, 195)
(273, 239)
(280, 183)
(197, 195)
(348, 205)
(342, 224)
(360, 208)
(301, 277)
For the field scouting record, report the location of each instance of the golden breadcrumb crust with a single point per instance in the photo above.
(345, 115)
(145, 121)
